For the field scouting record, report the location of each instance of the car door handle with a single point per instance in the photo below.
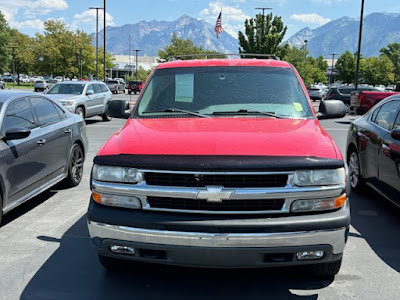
(363, 136)
(385, 147)
(68, 131)
(41, 142)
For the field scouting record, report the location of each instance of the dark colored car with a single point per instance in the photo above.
(41, 144)
(343, 93)
(373, 150)
(135, 87)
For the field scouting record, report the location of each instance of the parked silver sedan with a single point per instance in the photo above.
(41, 144)
(84, 98)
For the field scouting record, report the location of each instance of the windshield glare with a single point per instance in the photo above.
(74, 89)
(209, 90)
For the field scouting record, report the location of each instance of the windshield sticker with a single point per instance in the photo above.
(298, 106)
(184, 85)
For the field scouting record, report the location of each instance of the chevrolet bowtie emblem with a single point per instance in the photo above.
(214, 194)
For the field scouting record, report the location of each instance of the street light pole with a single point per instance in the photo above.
(137, 50)
(359, 44)
(333, 59)
(104, 40)
(13, 62)
(262, 28)
(97, 40)
(80, 60)
(305, 48)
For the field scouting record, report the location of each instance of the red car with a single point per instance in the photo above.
(135, 86)
(222, 163)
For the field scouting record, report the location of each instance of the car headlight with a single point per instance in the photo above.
(319, 177)
(116, 174)
(67, 102)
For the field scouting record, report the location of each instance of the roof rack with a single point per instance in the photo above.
(239, 55)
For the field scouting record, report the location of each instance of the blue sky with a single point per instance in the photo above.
(28, 15)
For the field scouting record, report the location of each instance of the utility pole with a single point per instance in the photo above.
(13, 62)
(137, 50)
(262, 28)
(333, 59)
(359, 44)
(104, 40)
(130, 52)
(97, 40)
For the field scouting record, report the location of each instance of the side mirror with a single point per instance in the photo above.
(89, 93)
(395, 134)
(118, 109)
(331, 109)
(16, 134)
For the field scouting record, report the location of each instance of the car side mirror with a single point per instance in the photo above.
(89, 93)
(395, 134)
(331, 109)
(16, 134)
(118, 109)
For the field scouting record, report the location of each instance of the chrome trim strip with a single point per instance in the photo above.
(216, 173)
(334, 237)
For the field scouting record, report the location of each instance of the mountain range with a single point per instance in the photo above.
(155, 35)
(337, 36)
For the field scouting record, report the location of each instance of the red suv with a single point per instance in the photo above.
(135, 87)
(208, 173)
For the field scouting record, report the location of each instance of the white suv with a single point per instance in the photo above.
(86, 99)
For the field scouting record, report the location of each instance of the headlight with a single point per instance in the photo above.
(319, 177)
(116, 174)
(67, 102)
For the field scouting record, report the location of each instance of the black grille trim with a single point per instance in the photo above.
(225, 180)
(225, 205)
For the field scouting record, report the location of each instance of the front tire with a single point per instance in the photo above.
(75, 166)
(326, 270)
(79, 111)
(105, 116)
(356, 180)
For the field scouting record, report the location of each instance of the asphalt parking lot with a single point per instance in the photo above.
(46, 253)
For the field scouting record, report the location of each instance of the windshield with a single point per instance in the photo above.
(219, 91)
(74, 89)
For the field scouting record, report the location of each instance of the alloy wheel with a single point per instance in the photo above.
(354, 169)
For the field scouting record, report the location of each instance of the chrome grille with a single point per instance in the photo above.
(225, 205)
(225, 180)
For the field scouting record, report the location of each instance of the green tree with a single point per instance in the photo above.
(376, 70)
(23, 52)
(346, 67)
(263, 35)
(310, 69)
(182, 47)
(392, 51)
(142, 74)
(4, 44)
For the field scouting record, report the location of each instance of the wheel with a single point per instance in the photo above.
(356, 180)
(75, 166)
(1, 208)
(105, 116)
(36, 90)
(135, 92)
(347, 108)
(79, 111)
(112, 264)
(129, 92)
(326, 270)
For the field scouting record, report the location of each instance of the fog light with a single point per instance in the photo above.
(122, 249)
(305, 255)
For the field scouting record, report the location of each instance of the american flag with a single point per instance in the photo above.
(218, 26)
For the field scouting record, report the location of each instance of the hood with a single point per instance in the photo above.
(222, 136)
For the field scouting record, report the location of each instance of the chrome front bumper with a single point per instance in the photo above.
(336, 238)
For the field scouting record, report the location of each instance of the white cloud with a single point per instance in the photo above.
(33, 24)
(43, 7)
(327, 2)
(88, 19)
(232, 17)
(310, 18)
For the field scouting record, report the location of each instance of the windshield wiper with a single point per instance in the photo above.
(175, 110)
(249, 111)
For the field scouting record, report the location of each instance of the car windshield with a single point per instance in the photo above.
(74, 89)
(112, 82)
(221, 91)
